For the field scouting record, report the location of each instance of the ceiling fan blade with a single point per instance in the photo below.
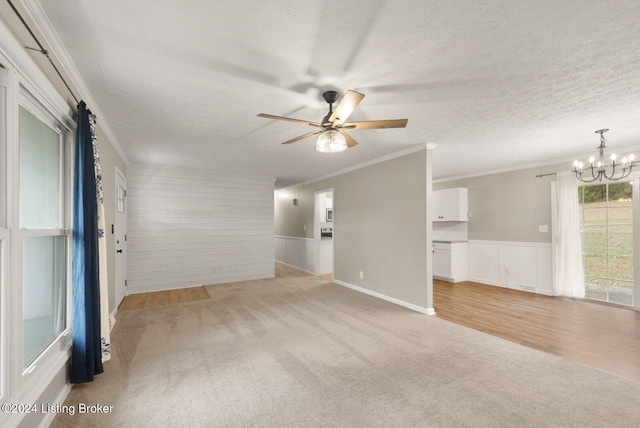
(345, 107)
(350, 141)
(293, 140)
(376, 124)
(289, 119)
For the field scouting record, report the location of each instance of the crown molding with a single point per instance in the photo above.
(559, 162)
(32, 79)
(51, 39)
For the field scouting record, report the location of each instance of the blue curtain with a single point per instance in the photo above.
(86, 357)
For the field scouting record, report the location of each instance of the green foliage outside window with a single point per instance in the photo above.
(607, 240)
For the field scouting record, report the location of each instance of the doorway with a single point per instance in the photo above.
(606, 220)
(121, 237)
(323, 222)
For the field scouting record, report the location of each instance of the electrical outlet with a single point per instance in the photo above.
(305, 227)
(361, 275)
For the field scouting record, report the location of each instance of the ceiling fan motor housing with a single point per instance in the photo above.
(330, 96)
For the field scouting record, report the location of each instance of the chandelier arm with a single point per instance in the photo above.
(579, 176)
(613, 172)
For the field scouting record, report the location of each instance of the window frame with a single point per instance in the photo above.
(634, 180)
(7, 81)
(29, 378)
(23, 78)
(5, 319)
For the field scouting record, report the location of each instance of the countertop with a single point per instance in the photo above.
(450, 242)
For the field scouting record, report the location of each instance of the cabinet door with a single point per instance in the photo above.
(450, 204)
(436, 200)
(442, 263)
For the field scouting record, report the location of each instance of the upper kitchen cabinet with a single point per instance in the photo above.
(450, 204)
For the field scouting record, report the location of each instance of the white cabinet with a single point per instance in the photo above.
(441, 260)
(450, 261)
(450, 204)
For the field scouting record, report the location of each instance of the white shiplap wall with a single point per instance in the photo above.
(187, 228)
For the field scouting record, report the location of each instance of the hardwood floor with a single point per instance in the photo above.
(598, 335)
(163, 298)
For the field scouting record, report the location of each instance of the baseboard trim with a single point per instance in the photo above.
(112, 319)
(48, 419)
(296, 267)
(416, 308)
(488, 282)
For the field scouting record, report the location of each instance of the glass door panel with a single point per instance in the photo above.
(606, 212)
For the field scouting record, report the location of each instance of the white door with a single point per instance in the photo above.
(121, 237)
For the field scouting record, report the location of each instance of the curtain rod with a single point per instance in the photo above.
(42, 50)
(544, 175)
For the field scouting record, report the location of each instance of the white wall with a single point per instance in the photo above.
(187, 228)
(380, 227)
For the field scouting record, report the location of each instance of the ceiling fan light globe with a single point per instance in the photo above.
(331, 141)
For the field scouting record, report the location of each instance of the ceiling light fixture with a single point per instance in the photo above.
(599, 169)
(331, 141)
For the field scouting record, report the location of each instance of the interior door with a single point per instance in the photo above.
(121, 237)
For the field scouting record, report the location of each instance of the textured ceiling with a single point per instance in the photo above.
(494, 84)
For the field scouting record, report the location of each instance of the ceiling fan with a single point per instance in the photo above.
(331, 135)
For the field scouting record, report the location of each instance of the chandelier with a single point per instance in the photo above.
(599, 169)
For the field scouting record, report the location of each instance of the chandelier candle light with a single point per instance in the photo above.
(599, 169)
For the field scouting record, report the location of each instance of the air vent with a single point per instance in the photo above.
(523, 287)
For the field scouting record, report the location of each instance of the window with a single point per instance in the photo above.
(606, 217)
(36, 135)
(43, 236)
(40, 181)
(120, 199)
(44, 294)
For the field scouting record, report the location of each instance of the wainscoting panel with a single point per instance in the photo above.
(524, 266)
(484, 262)
(297, 252)
(188, 228)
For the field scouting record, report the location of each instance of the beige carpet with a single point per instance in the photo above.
(297, 351)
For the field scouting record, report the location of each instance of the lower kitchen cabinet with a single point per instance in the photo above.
(450, 261)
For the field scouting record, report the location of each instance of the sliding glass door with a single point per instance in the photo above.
(606, 217)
